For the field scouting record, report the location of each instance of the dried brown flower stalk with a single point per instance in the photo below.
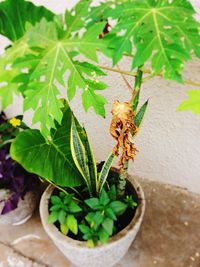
(122, 128)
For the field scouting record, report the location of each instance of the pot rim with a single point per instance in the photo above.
(53, 231)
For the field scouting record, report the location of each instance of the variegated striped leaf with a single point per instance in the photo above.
(79, 155)
(104, 171)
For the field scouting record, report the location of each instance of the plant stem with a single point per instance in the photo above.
(61, 189)
(145, 71)
(124, 169)
(122, 179)
(129, 73)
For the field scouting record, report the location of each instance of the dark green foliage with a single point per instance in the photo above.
(16, 14)
(99, 223)
(94, 220)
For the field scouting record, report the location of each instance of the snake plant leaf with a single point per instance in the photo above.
(92, 165)
(79, 155)
(50, 160)
(15, 14)
(105, 171)
(47, 65)
(140, 115)
(192, 103)
(162, 32)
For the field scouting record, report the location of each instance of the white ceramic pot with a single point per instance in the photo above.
(23, 211)
(101, 256)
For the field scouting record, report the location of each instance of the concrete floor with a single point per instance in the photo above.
(169, 236)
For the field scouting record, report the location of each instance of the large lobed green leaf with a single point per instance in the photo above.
(8, 88)
(14, 15)
(164, 32)
(47, 66)
(50, 160)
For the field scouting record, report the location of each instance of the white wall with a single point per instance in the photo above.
(169, 141)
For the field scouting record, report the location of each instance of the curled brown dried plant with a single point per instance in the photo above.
(122, 128)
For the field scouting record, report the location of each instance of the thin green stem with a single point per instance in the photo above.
(133, 74)
(134, 98)
(61, 189)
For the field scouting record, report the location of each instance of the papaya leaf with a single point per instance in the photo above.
(163, 32)
(86, 45)
(50, 160)
(47, 66)
(192, 103)
(8, 87)
(105, 171)
(15, 14)
(76, 17)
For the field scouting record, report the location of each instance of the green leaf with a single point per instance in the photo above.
(103, 236)
(108, 225)
(55, 200)
(56, 207)
(91, 164)
(113, 192)
(118, 207)
(105, 171)
(140, 115)
(93, 203)
(91, 99)
(47, 68)
(76, 18)
(8, 88)
(53, 217)
(84, 228)
(73, 207)
(64, 229)
(109, 213)
(104, 198)
(72, 224)
(67, 199)
(50, 160)
(79, 155)
(15, 14)
(163, 32)
(192, 103)
(90, 243)
(62, 217)
(86, 44)
(95, 219)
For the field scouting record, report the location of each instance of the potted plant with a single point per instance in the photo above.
(17, 186)
(87, 201)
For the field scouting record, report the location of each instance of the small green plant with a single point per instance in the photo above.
(93, 219)
(64, 210)
(99, 224)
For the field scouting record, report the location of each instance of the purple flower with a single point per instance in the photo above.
(12, 176)
(16, 179)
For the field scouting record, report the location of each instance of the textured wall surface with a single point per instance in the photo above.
(169, 141)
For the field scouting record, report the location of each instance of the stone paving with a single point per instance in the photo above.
(169, 236)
